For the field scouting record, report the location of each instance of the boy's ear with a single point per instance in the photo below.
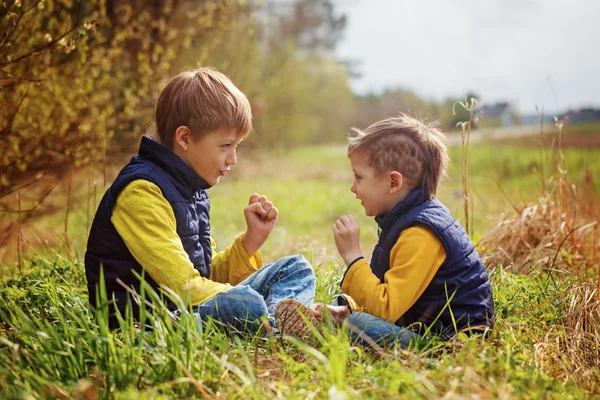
(183, 136)
(396, 180)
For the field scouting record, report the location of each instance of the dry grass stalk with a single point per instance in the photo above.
(103, 158)
(535, 235)
(89, 183)
(465, 135)
(66, 233)
(20, 234)
(542, 145)
(87, 209)
(582, 321)
(95, 190)
(571, 350)
(594, 257)
(556, 231)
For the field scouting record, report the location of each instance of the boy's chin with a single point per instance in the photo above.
(211, 182)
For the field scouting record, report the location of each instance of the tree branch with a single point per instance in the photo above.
(47, 45)
(7, 37)
(7, 128)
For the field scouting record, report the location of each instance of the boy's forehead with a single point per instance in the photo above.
(229, 134)
(237, 135)
(359, 160)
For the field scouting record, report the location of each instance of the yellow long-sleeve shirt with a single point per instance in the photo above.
(414, 260)
(146, 222)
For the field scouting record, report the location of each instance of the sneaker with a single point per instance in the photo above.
(291, 318)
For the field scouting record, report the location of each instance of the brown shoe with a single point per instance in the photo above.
(291, 318)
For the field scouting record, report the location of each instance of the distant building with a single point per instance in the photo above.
(496, 115)
(582, 115)
(573, 116)
(532, 119)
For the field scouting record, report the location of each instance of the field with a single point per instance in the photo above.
(544, 344)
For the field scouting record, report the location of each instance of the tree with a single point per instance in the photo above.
(388, 104)
(313, 26)
(75, 74)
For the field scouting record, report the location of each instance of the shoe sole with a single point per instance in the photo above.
(291, 318)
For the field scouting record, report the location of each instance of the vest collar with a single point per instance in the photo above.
(387, 220)
(187, 179)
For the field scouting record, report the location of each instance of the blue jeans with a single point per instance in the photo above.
(366, 329)
(244, 305)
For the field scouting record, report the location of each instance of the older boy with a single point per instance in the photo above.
(154, 219)
(425, 273)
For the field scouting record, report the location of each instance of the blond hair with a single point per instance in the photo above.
(407, 145)
(203, 100)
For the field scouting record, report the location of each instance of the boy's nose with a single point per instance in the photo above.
(353, 187)
(232, 159)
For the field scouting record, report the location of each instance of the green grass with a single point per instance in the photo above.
(51, 345)
(517, 168)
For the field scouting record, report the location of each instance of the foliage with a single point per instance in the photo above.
(69, 90)
(313, 25)
(375, 107)
(38, 106)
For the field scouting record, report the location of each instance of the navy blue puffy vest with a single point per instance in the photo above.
(183, 189)
(461, 278)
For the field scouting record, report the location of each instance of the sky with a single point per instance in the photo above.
(526, 52)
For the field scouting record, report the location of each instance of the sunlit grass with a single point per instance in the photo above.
(51, 346)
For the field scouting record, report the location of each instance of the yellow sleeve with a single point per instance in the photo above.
(233, 265)
(146, 222)
(414, 259)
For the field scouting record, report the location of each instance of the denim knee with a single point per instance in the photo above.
(243, 302)
(302, 265)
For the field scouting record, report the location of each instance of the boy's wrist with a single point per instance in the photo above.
(251, 245)
(352, 262)
(351, 258)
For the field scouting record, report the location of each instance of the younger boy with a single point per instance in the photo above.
(424, 272)
(154, 219)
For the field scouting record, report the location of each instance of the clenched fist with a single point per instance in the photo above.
(346, 233)
(260, 216)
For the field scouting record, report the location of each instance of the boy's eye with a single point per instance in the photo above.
(227, 145)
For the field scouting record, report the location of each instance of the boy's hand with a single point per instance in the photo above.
(338, 313)
(346, 233)
(260, 216)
